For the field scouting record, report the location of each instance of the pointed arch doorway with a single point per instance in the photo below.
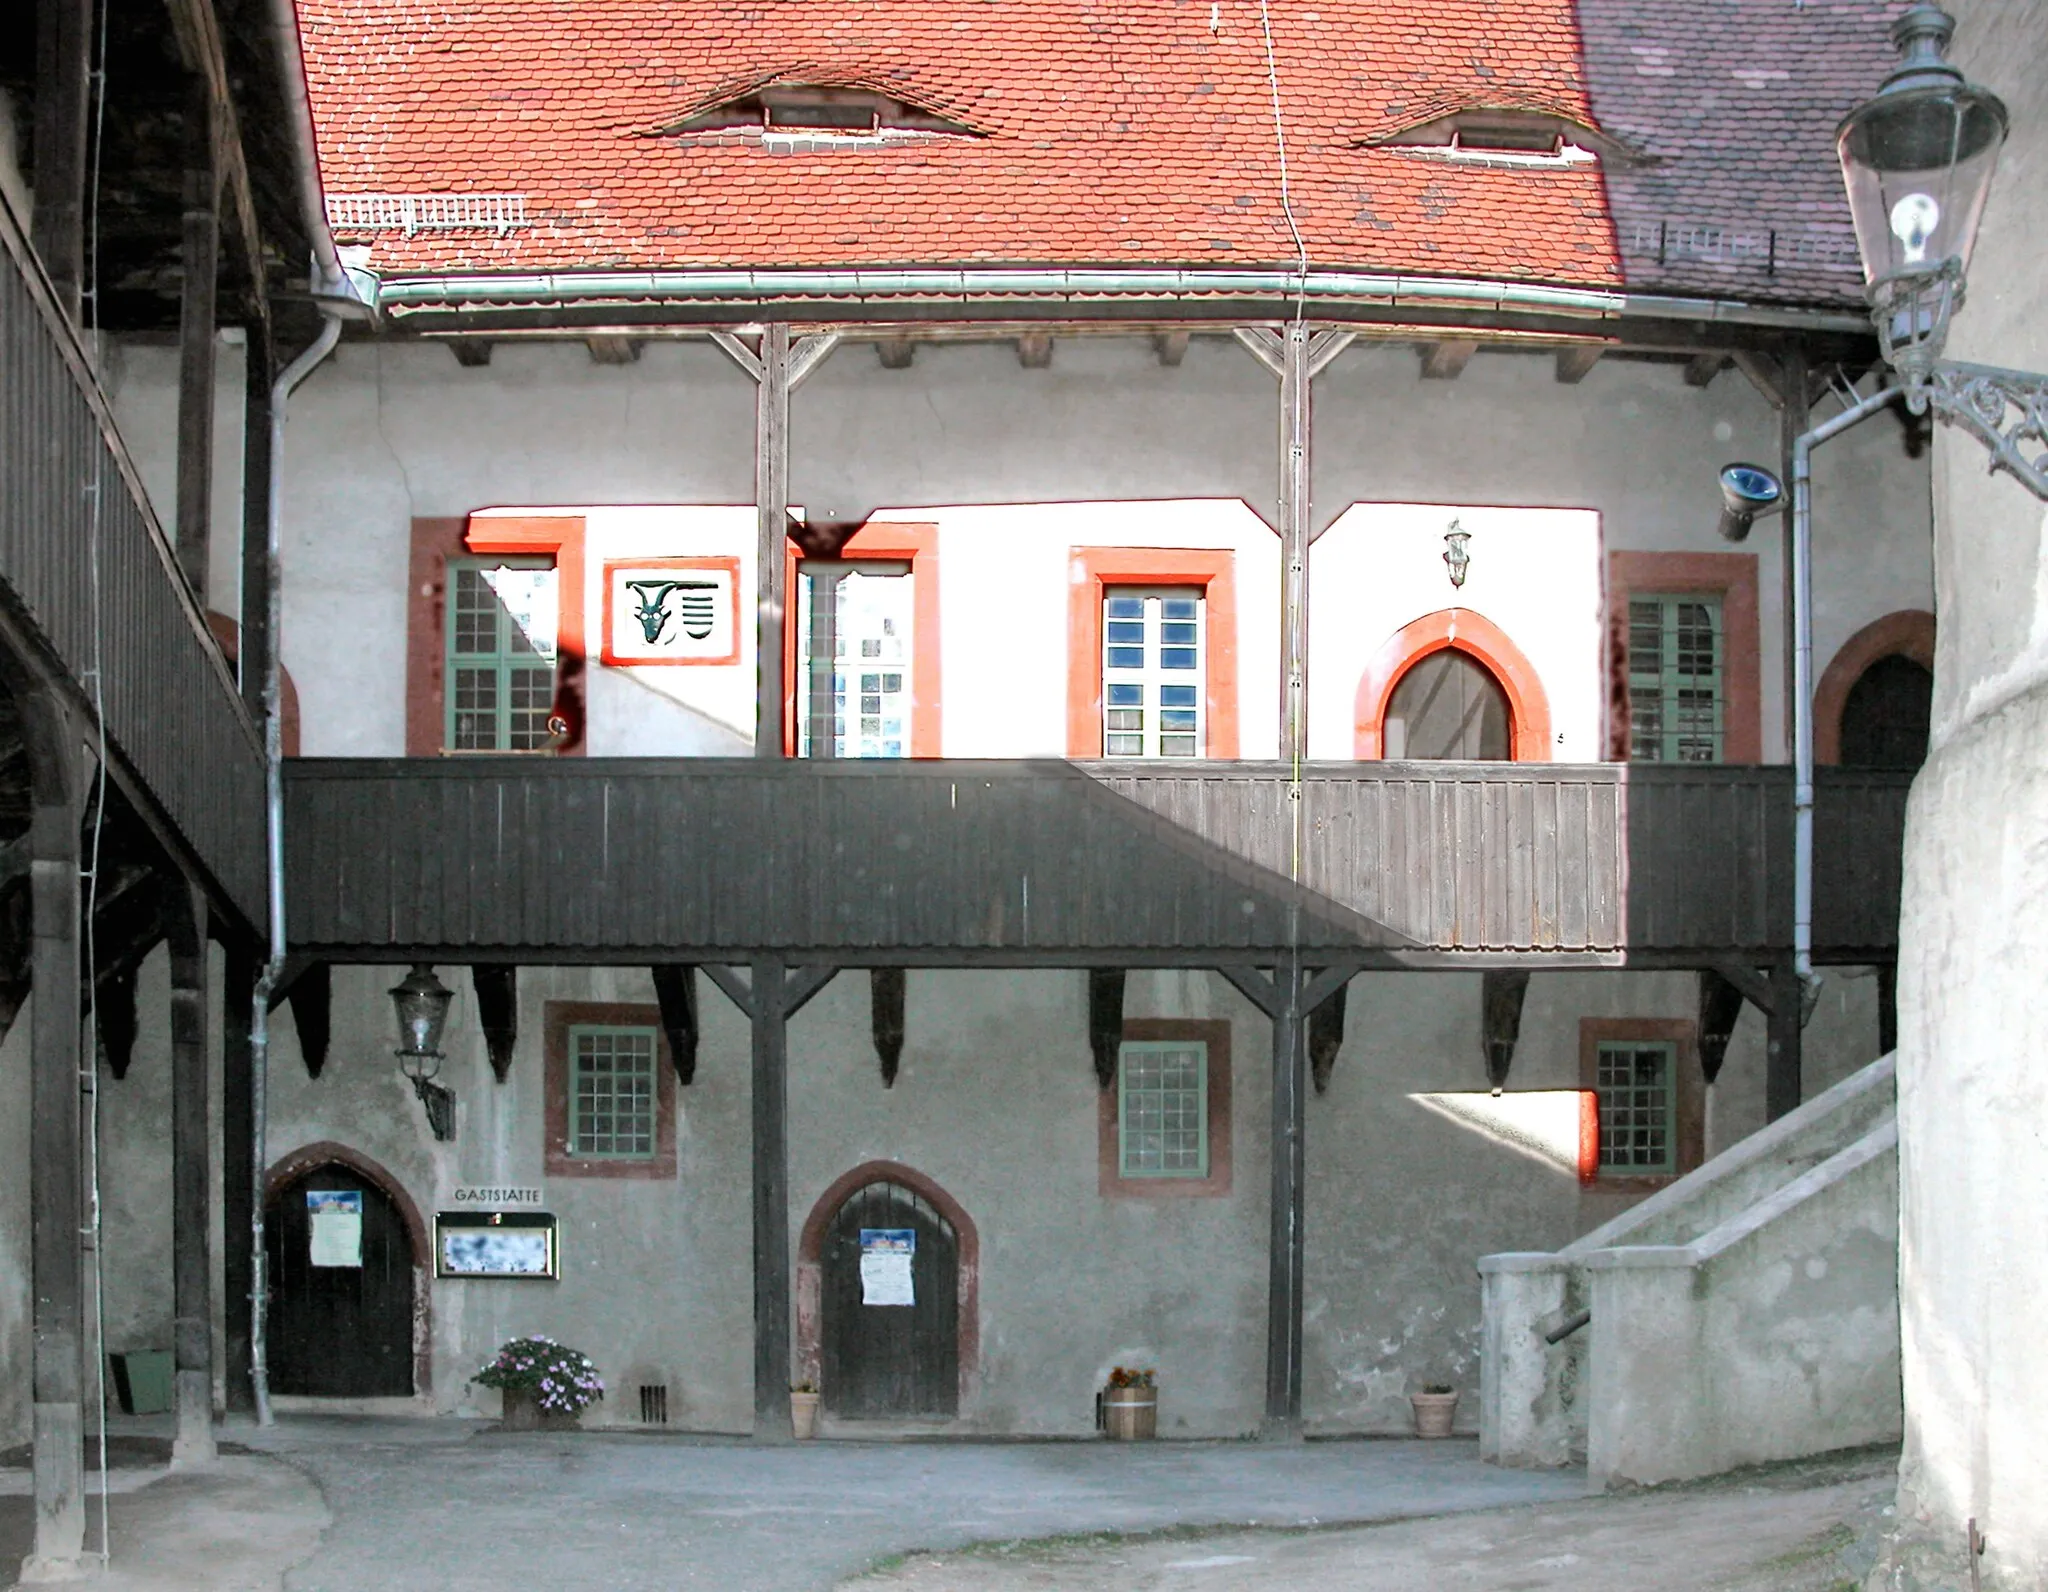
(875, 1361)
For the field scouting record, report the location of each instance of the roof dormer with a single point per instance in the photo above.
(814, 115)
(1506, 136)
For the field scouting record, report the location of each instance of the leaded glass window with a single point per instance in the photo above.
(1637, 1084)
(1152, 672)
(501, 655)
(1163, 1109)
(613, 1100)
(1677, 704)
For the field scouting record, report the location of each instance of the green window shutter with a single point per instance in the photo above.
(614, 1099)
(500, 675)
(1677, 699)
(1637, 1082)
(1162, 1108)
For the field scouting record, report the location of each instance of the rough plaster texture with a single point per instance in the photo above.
(996, 1102)
(1973, 1097)
(386, 432)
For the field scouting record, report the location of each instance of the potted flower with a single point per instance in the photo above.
(1434, 1406)
(803, 1410)
(546, 1385)
(1130, 1406)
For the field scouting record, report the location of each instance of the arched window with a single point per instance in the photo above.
(1886, 715)
(1448, 706)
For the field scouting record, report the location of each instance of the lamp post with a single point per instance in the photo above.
(421, 1002)
(1917, 161)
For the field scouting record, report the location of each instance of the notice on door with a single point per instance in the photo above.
(337, 1220)
(885, 1257)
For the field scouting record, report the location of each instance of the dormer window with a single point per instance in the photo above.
(800, 115)
(1502, 137)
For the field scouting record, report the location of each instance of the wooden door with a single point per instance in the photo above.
(339, 1331)
(891, 1361)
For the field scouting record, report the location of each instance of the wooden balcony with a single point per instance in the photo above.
(952, 863)
(92, 595)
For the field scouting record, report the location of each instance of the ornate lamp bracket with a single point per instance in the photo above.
(2006, 410)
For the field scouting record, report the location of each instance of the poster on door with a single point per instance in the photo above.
(671, 610)
(337, 1223)
(885, 1257)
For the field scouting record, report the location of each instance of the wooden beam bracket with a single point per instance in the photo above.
(1446, 361)
(1105, 1021)
(1501, 997)
(675, 991)
(497, 1012)
(886, 992)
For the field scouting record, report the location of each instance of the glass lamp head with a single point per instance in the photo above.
(421, 1002)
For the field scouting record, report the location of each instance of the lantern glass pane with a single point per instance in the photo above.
(1918, 168)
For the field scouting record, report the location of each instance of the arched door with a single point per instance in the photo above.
(1448, 706)
(890, 1360)
(1886, 716)
(339, 1330)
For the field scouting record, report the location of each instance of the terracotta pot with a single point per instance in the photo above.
(803, 1415)
(1131, 1414)
(1433, 1412)
(524, 1414)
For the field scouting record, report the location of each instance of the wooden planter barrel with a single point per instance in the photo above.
(1131, 1414)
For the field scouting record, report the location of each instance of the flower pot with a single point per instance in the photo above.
(803, 1415)
(524, 1414)
(1131, 1414)
(1433, 1412)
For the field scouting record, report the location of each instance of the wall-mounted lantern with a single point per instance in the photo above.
(1456, 558)
(421, 1003)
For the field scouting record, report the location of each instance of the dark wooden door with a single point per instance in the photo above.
(899, 1361)
(339, 1331)
(1886, 717)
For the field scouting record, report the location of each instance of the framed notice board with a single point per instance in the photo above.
(495, 1244)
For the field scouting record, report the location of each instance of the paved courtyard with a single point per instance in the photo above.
(338, 1505)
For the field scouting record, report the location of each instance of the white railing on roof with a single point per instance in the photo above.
(426, 212)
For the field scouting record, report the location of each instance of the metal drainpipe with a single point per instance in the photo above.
(1802, 670)
(273, 794)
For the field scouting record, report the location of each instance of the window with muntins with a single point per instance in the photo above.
(501, 655)
(613, 1109)
(1677, 699)
(1637, 1084)
(1152, 672)
(855, 621)
(1163, 1109)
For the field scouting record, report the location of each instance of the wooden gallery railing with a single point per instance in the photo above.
(1406, 864)
(86, 570)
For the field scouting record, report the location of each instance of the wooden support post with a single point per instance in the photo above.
(675, 992)
(311, 998)
(191, 1183)
(254, 645)
(237, 1174)
(497, 1012)
(771, 519)
(1287, 1255)
(57, 1087)
(1297, 384)
(1782, 1085)
(196, 315)
(771, 1202)
(64, 30)
(1887, 1008)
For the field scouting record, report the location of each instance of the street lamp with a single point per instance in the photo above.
(1917, 160)
(421, 1002)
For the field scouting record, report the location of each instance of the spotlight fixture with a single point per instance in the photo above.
(1747, 490)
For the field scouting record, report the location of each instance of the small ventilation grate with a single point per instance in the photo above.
(654, 1406)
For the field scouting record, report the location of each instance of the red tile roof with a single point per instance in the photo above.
(1117, 133)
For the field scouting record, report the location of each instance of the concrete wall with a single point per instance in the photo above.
(1974, 955)
(386, 432)
(16, 1392)
(996, 1102)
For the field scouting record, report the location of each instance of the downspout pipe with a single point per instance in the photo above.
(273, 802)
(1802, 669)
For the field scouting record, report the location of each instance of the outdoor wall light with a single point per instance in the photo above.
(1917, 160)
(1455, 556)
(1747, 490)
(421, 1002)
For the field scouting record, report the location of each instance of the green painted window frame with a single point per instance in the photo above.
(1619, 1097)
(501, 662)
(1663, 727)
(1127, 1128)
(573, 1081)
